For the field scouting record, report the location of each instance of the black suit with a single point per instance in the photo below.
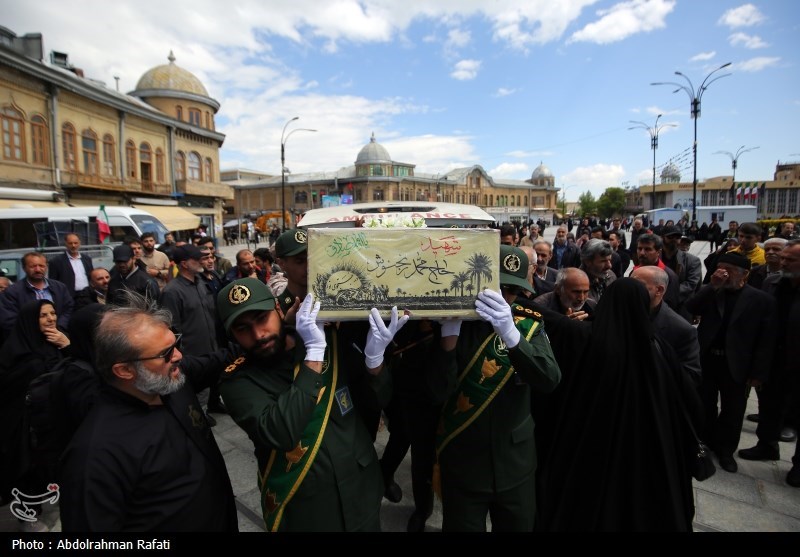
(681, 337)
(60, 269)
(733, 350)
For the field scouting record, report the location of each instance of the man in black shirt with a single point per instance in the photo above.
(144, 458)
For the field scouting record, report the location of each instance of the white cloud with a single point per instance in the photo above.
(504, 92)
(466, 70)
(529, 154)
(757, 64)
(703, 56)
(748, 41)
(458, 38)
(625, 19)
(595, 178)
(511, 170)
(746, 15)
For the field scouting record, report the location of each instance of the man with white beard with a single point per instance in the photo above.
(570, 296)
(144, 458)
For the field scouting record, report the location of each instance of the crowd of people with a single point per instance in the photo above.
(608, 351)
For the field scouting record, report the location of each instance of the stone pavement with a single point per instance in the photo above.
(756, 499)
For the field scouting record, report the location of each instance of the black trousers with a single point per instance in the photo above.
(412, 423)
(774, 401)
(723, 422)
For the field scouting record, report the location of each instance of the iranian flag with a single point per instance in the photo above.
(746, 193)
(103, 230)
(739, 193)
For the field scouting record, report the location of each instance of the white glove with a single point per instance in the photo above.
(380, 336)
(492, 307)
(312, 333)
(450, 327)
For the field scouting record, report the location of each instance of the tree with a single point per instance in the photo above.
(587, 203)
(611, 202)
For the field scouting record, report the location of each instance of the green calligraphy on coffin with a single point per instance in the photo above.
(433, 272)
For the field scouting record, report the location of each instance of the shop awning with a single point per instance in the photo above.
(174, 218)
(28, 203)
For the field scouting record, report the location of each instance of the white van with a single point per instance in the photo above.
(41, 227)
(436, 215)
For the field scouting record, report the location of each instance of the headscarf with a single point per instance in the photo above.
(26, 352)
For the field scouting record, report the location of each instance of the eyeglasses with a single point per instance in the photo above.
(166, 355)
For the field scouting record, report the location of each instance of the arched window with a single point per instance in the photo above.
(109, 155)
(194, 117)
(40, 141)
(130, 159)
(13, 134)
(159, 166)
(68, 146)
(89, 147)
(179, 112)
(194, 167)
(146, 163)
(208, 170)
(180, 166)
(512, 200)
(208, 119)
(518, 203)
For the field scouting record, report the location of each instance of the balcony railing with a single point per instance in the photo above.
(112, 183)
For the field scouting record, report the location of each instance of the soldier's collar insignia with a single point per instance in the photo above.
(239, 294)
(512, 263)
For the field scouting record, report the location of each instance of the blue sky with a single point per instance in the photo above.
(452, 83)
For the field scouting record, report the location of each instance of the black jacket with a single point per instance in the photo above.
(59, 268)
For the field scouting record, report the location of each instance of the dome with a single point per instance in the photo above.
(671, 173)
(373, 152)
(170, 77)
(541, 171)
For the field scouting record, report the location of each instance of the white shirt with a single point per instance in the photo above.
(81, 280)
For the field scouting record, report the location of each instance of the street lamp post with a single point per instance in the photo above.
(695, 97)
(735, 158)
(284, 138)
(653, 145)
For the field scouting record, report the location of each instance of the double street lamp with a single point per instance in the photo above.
(653, 145)
(735, 158)
(695, 97)
(284, 138)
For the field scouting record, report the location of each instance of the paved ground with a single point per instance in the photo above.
(756, 499)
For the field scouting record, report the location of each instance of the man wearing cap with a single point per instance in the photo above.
(486, 454)
(291, 251)
(686, 266)
(127, 275)
(296, 399)
(737, 338)
(191, 301)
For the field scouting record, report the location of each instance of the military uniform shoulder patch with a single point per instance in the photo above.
(521, 311)
(236, 364)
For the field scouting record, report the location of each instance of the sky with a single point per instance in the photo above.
(444, 84)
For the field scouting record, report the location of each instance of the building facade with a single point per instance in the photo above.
(375, 176)
(79, 142)
(776, 198)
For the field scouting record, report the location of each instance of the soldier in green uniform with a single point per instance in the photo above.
(291, 252)
(484, 373)
(317, 467)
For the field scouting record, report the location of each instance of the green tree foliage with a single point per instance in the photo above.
(588, 204)
(611, 202)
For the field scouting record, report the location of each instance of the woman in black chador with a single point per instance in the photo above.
(619, 461)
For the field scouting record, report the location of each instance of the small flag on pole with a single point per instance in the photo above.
(103, 230)
(747, 193)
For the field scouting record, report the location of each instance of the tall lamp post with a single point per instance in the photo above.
(735, 158)
(284, 138)
(695, 97)
(653, 145)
